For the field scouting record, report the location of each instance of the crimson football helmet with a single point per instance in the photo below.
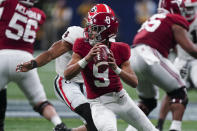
(28, 2)
(190, 9)
(100, 8)
(101, 27)
(172, 6)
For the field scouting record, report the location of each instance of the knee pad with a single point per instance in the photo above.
(85, 111)
(179, 96)
(147, 104)
(39, 108)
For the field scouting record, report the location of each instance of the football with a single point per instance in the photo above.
(101, 58)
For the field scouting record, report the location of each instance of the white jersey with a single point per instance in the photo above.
(71, 34)
(182, 54)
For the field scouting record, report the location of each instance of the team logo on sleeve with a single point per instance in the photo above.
(66, 34)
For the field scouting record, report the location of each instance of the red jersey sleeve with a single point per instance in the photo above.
(42, 15)
(179, 20)
(3, 2)
(125, 51)
(78, 47)
(121, 52)
(8, 3)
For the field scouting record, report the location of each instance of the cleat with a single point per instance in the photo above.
(61, 127)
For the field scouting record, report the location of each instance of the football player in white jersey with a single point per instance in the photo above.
(186, 64)
(70, 92)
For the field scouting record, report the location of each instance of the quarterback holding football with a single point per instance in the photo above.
(104, 89)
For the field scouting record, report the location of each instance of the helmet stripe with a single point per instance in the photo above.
(107, 8)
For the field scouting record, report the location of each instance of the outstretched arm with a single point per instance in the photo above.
(58, 48)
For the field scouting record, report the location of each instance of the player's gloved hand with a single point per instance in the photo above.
(26, 66)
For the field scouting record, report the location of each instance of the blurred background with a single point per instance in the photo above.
(64, 13)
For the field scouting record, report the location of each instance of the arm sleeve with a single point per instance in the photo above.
(179, 20)
(43, 17)
(1, 1)
(78, 46)
(41, 14)
(72, 33)
(125, 51)
(8, 3)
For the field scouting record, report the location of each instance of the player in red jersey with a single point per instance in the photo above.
(184, 62)
(151, 46)
(19, 23)
(104, 88)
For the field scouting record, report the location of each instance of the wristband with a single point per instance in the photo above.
(34, 64)
(117, 70)
(82, 63)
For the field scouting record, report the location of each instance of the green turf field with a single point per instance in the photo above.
(38, 124)
(47, 74)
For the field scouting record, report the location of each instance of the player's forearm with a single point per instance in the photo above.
(72, 71)
(128, 75)
(130, 79)
(193, 53)
(57, 49)
(43, 59)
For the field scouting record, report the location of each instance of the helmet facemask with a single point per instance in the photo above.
(100, 28)
(190, 13)
(191, 9)
(94, 33)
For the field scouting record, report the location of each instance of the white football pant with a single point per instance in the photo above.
(28, 82)
(106, 107)
(153, 70)
(70, 92)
